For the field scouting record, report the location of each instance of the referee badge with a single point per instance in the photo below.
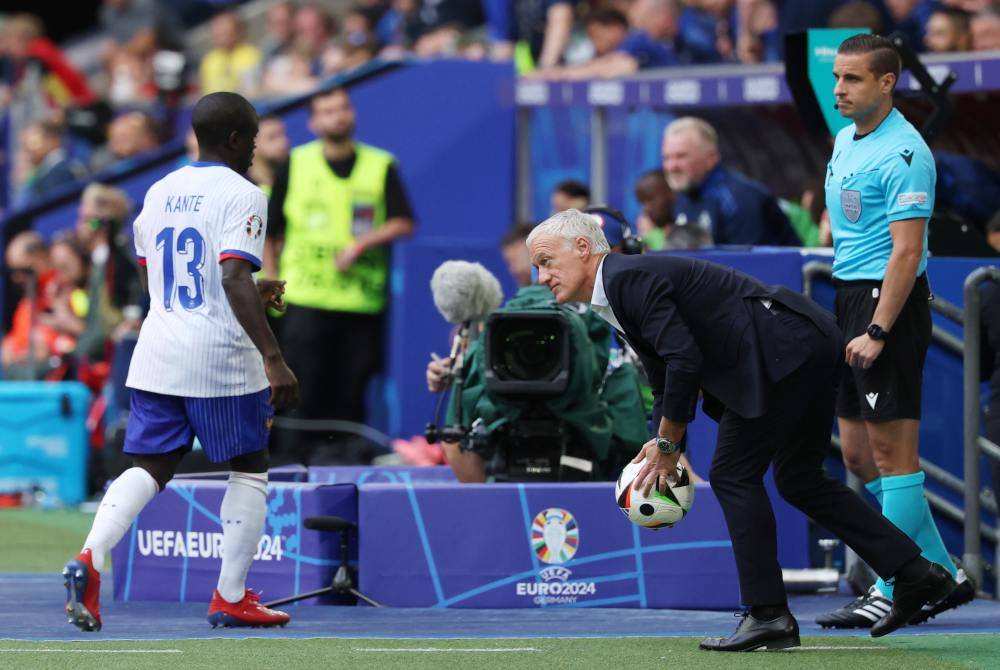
(850, 203)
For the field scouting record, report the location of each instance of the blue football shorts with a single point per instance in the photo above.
(226, 427)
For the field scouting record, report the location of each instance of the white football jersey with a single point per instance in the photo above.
(191, 344)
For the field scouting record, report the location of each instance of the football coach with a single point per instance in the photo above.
(767, 361)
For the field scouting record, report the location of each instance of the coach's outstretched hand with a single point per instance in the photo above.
(284, 385)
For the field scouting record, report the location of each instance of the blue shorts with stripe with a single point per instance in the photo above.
(226, 427)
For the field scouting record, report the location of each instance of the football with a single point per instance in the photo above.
(657, 510)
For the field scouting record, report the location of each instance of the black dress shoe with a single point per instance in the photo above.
(910, 597)
(751, 634)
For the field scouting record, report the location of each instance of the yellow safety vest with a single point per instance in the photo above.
(324, 214)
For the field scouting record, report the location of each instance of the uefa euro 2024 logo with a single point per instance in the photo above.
(555, 537)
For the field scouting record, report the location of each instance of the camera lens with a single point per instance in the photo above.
(530, 352)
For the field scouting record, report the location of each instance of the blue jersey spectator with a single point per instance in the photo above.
(648, 52)
(698, 33)
(651, 43)
(967, 187)
(50, 167)
(545, 25)
(909, 19)
(730, 206)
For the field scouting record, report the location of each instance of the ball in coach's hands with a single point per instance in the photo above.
(657, 510)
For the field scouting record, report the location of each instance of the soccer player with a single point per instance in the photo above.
(880, 193)
(206, 363)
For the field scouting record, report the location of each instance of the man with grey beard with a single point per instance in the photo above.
(731, 207)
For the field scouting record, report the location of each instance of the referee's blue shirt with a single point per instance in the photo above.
(887, 175)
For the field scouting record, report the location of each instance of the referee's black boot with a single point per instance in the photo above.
(917, 584)
(777, 632)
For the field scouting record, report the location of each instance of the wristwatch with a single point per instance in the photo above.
(667, 446)
(875, 332)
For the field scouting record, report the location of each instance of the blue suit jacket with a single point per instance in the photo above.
(699, 325)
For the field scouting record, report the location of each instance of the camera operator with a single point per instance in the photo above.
(599, 419)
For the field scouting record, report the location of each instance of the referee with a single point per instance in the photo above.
(880, 193)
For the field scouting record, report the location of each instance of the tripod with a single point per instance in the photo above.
(343, 579)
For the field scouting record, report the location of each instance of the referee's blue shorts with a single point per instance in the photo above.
(226, 427)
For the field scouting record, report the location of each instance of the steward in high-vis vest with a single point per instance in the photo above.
(334, 210)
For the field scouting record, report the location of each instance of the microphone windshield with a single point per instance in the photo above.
(465, 291)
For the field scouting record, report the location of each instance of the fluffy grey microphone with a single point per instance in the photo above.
(465, 291)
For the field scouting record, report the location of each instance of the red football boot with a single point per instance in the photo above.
(247, 613)
(83, 592)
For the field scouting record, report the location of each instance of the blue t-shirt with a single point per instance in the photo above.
(887, 175)
(735, 210)
(648, 52)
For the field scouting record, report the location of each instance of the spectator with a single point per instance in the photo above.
(909, 19)
(606, 30)
(570, 194)
(433, 27)
(48, 168)
(140, 27)
(969, 6)
(515, 253)
(233, 64)
(25, 46)
(130, 79)
(985, 28)
(544, 26)
(650, 44)
(758, 31)
(731, 207)
(856, 14)
(271, 151)
(297, 70)
(356, 45)
(657, 202)
(966, 187)
(113, 283)
(703, 29)
(131, 134)
(68, 305)
(993, 238)
(948, 31)
(811, 226)
(26, 346)
(277, 30)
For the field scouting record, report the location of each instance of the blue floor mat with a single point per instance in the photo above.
(34, 604)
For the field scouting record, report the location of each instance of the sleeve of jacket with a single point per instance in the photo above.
(663, 330)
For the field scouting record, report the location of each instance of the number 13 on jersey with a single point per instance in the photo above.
(189, 252)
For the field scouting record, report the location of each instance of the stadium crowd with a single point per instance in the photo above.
(88, 118)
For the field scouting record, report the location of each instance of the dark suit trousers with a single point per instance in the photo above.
(794, 436)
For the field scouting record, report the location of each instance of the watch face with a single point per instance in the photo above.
(665, 445)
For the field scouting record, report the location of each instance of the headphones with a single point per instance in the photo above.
(631, 245)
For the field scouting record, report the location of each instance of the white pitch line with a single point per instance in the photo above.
(93, 651)
(431, 650)
(836, 648)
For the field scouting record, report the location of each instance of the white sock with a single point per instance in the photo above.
(244, 508)
(125, 498)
